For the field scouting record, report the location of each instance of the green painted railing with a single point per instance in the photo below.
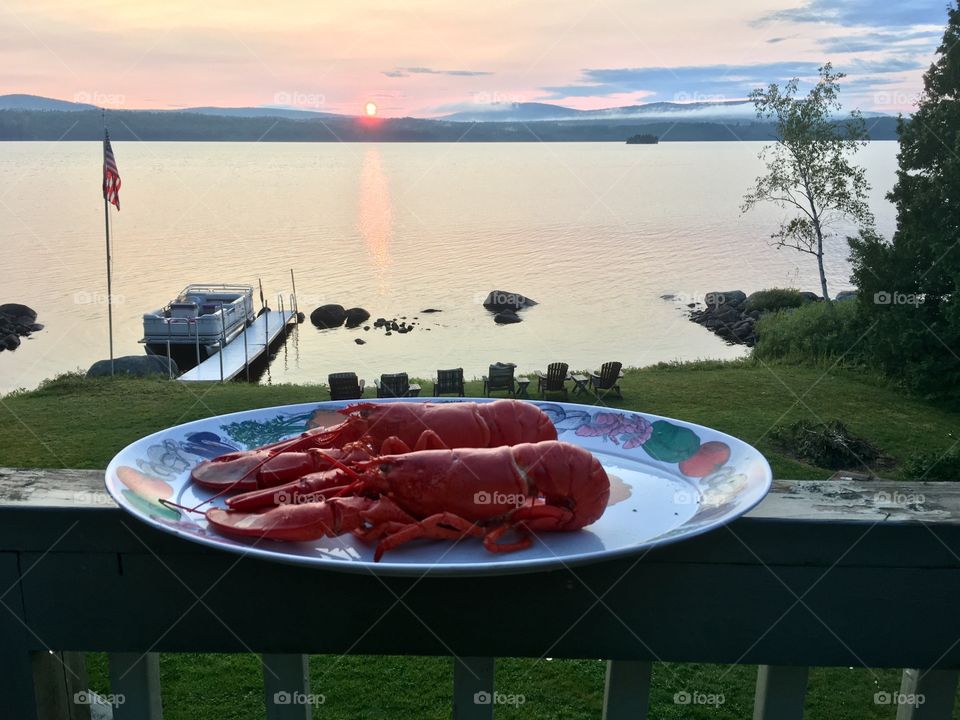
(812, 577)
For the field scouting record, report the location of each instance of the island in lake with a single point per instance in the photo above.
(642, 139)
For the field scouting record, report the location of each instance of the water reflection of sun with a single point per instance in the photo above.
(375, 214)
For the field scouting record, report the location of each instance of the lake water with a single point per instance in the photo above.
(596, 232)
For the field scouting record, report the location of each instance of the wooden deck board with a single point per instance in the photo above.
(260, 335)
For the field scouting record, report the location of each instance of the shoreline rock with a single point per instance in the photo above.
(728, 313)
(136, 365)
(725, 315)
(16, 321)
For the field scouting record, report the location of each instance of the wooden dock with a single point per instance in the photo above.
(231, 361)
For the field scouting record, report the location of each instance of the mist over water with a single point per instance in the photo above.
(595, 232)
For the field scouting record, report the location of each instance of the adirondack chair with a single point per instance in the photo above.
(448, 381)
(608, 379)
(555, 379)
(344, 386)
(500, 377)
(395, 385)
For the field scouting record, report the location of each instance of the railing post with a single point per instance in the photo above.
(626, 693)
(61, 685)
(135, 686)
(473, 688)
(927, 694)
(286, 684)
(781, 691)
(16, 682)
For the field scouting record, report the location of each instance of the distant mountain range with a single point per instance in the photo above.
(30, 117)
(715, 111)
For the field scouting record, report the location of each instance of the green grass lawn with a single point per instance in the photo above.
(73, 422)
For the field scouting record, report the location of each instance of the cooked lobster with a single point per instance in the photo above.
(370, 430)
(441, 494)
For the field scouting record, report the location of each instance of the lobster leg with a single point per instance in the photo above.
(490, 540)
(543, 517)
(442, 526)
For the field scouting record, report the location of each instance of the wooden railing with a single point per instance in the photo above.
(838, 573)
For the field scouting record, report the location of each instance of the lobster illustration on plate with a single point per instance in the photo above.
(441, 494)
(396, 472)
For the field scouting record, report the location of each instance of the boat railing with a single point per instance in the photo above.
(843, 574)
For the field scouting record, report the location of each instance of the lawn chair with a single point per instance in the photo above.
(555, 379)
(608, 379)
(344, 386)
(448, 381)
(395, 385)
(500, 378)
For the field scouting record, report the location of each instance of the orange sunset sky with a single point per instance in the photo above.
(427, 58)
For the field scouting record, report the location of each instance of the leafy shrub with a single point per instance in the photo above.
(774, 299)
(811, 333)
(933, 467)
(830, 445)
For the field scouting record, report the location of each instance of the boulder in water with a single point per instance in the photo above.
(20, 314)
(356, 316)
(506, 317)
(328, 316)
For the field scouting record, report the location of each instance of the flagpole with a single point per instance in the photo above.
(106, 227)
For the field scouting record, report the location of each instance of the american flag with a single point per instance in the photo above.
(111, 176)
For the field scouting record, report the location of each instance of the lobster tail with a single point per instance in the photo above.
(512, 422)
(572, 482)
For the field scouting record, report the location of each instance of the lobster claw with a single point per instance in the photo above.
(293, 522)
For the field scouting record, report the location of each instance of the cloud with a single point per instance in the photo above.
(860, 13)
(406, 72)
(714, 81)
(925, 40)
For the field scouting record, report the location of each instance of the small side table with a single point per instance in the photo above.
(580, 383)
(522, 385)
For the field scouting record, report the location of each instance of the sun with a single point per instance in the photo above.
(371, 109)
